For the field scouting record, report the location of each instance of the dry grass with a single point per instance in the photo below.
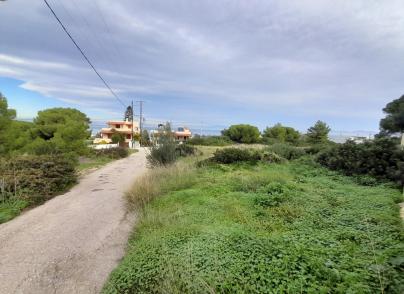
(158, 181)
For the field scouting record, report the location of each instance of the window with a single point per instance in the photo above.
(118, 126)
(180, 129)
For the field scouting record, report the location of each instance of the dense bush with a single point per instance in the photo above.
(286, 151)
(271, 157)
(165, 152)
(36, 178)
(279, 133)
(242, 133)
(317, 148)
(114, 153)
(209, 140)
(185, 150)
(380, 158)
(232, 155)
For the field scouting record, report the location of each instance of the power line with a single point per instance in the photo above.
(82, 53)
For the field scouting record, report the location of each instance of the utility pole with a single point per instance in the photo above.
(133, 139)
(141, 120)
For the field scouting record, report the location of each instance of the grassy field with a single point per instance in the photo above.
(279, 228)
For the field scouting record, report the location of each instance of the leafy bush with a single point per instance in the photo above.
(232, 155)
(209, 140)
(36, 178)
(114, 153)
(380, 158)
(185, 150)
(242, 133)
(279, 133)
(271, 157)
(117, 138)
(165, 152)
(286, 151)
(317, 148)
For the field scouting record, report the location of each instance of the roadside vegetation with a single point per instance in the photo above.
(31, 180)
(259, 227)
(297, 214)
(40, 159)
(98, 158)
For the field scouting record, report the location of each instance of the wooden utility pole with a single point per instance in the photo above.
(133, 139)
(140, 120)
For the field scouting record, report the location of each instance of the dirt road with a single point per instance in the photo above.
(72, 242)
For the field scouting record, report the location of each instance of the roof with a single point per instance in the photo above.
(120, 122)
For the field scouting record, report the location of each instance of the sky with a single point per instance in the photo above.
(210, 63)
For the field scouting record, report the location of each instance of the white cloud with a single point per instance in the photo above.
(307, 57)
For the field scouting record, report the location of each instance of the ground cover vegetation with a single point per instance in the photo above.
(210, 140)
(260, 227)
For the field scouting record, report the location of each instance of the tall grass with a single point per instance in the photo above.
(158, 181)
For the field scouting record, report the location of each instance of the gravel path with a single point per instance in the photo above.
(72, 242)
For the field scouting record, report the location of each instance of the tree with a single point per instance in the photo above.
(64, 128)
(318, 133)
(128, 114)
(282, 134)
(242, 133)
(117, 138)
(394, 120)
(6, 117)
(53, 120)
(18, 135)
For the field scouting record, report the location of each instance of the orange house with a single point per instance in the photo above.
(120, 127)
(182, 134)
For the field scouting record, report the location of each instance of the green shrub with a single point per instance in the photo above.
(117, 138)
(287, 151)
(114, 153)
(232, 155)
(242, 133)
(279, 133)
(271, 157)
(185, 150)
(317, 148)
(381, 158)
(36, 178)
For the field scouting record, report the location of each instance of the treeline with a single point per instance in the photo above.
(381, 157)
(249, 134)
